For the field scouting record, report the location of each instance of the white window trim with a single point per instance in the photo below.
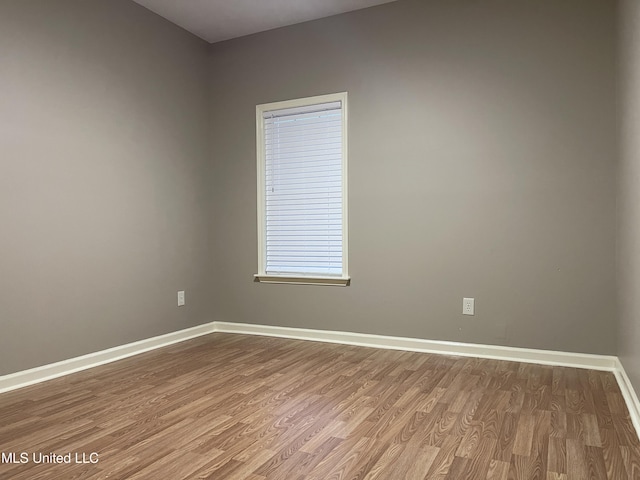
(261, 276)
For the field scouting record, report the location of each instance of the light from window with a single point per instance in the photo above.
(302, 159)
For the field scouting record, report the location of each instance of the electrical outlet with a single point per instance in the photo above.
(181, 298)
(468, 306)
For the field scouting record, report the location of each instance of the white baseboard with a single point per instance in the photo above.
(513, 354)
(629, 394)
(545, 357)
(24, 378)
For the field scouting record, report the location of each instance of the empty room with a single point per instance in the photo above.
(320, 239)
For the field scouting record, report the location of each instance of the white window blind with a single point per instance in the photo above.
(303, 203)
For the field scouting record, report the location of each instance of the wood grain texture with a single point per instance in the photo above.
(229, 406)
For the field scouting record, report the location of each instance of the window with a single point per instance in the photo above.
(302, 191)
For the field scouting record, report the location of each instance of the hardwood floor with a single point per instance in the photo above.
(242, 407)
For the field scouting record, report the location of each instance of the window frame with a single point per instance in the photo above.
(262, 276)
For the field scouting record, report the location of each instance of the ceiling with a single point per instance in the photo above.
(216, 20)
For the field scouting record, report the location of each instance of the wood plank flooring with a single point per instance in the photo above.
(244, 407)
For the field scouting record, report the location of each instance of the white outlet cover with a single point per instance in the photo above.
(468, 306)
(181, 298)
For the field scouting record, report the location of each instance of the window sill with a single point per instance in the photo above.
(328, 281)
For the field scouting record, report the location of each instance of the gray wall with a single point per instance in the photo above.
(482, 147)
(103, 178)
(629, 193)
(482, 163)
